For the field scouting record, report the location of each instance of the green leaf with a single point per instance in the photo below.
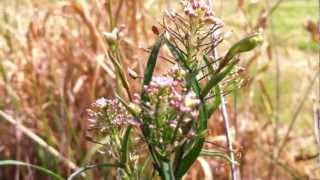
(178, 55)
(195, 150)
(19, 163)
(244, 45)
(167, 171)
(89, 167)
(123, 77)
(216, 79)
(205, 152)
(151, 64)
(125, 146)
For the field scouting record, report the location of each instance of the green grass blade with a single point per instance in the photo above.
(189, 159)
(125, 146)
(39, 168)
(194, 152)
(123, 77)
(222, 155)
(89, 167)
(177, 55)
(151, 64)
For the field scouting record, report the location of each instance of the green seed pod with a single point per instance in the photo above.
(244, 45)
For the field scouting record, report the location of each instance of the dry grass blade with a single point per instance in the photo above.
(206, 168)
(38, 140)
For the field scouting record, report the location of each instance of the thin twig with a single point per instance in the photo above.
(38, 140)
(277, 93)
(317, 115)
(228, 136)
(234, 170)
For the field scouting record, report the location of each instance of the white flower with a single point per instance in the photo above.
(191, 100)
(101, 102)
(162, 81)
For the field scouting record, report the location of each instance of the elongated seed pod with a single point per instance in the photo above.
(246, 44)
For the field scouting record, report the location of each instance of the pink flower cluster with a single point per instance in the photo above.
(172, 93)
(185, 104)
(201, 10)
(195, 8)
(109, 113)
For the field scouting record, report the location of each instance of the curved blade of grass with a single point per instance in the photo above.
(177, 55)
(123, 77)
(39, 168)
(151, 64)
(206, 168)
(89, 167)
(189, 158)
(205, 152)
(125, 146)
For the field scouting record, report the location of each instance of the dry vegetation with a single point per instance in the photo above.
(53, 66)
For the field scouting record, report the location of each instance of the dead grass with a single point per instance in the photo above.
(53, 65)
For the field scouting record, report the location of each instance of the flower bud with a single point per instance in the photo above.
(112, 36)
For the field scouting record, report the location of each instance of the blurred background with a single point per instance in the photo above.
(53, 67)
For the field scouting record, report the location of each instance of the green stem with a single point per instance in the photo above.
(166, 171)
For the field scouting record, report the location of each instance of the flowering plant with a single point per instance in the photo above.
(168, 118)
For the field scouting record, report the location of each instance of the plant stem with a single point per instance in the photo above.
(234, 170)
(167, 171)
(225, 117)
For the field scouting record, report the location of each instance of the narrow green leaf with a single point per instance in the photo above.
(222, 155)
(167, 171)
(123, 77)
(189, 158)
(151, 64)
(125, 146)
(177, 55)
(19, 163)
(89, 167)
(216, 79)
